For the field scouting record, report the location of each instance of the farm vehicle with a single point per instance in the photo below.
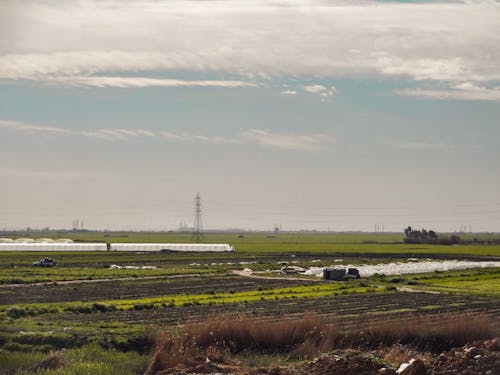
(340, 274)
(44, 262)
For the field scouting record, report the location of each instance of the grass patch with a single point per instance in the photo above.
(90, 359)
(27, 335)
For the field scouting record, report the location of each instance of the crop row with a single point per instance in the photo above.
(354, 308)
(140, 288)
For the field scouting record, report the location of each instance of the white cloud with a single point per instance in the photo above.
(463, 91)
(191, 137)
(145, 132)
(20, 126)
(427, 69)
(296, 142)
(314, 89)
(264, 137)
(323, 91)
(129, 82)
(213, 138)
(107, 134)
(288, 92)
(451, 41)
(116, 134)
(170, 135)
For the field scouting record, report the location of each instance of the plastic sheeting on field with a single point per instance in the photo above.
(41, 246)
(202, 247)
(64, 240)
(45, 240)
(401, 268)
(25, 240)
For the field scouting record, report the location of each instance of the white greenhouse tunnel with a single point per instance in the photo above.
(60, 245)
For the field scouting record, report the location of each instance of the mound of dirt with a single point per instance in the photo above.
(352, 362)
(478, 358)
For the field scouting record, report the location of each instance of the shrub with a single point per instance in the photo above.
(100, 307)
(143, 306)
(79, 309)
(397, 280)
(16, 313)
(140, 343)
(3, 340)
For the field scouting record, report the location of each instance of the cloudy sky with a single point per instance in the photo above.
(310, 114)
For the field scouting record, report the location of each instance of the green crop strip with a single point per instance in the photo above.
(483, 281)
(313, 291)
(488, 286)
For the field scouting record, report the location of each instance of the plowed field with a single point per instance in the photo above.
(140, 288)
(349, 310)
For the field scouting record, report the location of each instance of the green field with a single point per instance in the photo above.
(106, 318)
(351, 242)
(213, 237)
(474, 281)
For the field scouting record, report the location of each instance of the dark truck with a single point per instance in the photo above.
(340, 274)
(44, 262)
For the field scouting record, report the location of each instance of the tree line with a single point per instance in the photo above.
(415, 236)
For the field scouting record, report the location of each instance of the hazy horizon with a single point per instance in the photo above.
(323, 114)
(233, 230)
(292, 224)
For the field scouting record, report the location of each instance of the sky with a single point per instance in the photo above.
(318, 115)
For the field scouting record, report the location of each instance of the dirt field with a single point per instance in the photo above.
(138, 288)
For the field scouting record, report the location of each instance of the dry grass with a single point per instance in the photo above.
(396, 354)
(221, 337)
(217, 337)
(169, 353)
(434, 333)
(242, 333)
